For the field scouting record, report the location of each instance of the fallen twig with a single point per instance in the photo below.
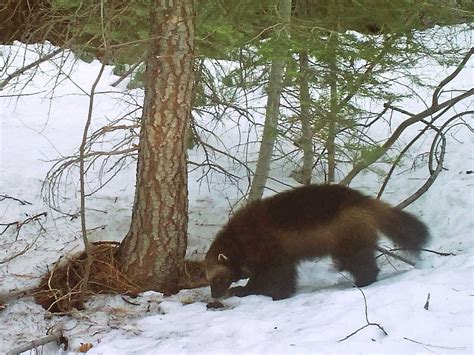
(20, 224)
(440, 253)
(436, 346)
(56, 335)
(369, 323)
(18, 253)
(406, 260)
(130, 302)
(393, 255)
(427, 303)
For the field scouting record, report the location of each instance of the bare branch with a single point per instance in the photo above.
(435, 108)
(433, 173)
(398, 159)
(19, 253)
(22, 70)
(20, 224)
(22, 202)
(437, 92)
(358, 167)
(432, 177)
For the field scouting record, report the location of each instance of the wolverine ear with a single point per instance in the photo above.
(222, 258)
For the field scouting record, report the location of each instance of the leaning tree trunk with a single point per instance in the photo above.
(275, 85)
(333, 100)
(152, 253)
(332, 120)
(305, 117)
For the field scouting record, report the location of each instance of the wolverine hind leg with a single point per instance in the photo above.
(277, 281)
(355, 251)
(361, 264)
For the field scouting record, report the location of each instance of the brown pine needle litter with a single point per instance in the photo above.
(60, 289)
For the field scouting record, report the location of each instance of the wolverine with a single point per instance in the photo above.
(265, 240)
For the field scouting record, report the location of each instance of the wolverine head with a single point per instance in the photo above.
(221, 271)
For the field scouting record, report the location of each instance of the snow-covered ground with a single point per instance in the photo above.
(325, 310)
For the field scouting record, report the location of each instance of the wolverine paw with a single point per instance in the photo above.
(215, 305)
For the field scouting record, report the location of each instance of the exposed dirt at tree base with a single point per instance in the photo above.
(60, 289)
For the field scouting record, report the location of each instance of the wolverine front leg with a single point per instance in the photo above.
(254, 286)
(277, 281)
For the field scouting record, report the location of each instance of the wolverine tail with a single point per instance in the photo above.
(404, 229)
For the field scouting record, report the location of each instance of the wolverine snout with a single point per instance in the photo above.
(219, 288)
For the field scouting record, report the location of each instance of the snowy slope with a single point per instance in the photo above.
(326, 309)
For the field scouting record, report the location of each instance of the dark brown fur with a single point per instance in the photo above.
(266, 239)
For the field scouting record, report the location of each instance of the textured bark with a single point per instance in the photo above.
(152, 253)
(275, 85)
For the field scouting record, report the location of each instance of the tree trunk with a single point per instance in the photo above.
(332, 121)
(333, 100)
(275, 85)
(152, 253)
(306, 129)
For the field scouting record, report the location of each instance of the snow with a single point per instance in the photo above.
(326, 308)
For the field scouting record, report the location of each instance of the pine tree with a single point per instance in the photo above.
(152, 253)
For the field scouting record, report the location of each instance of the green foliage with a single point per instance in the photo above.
(367, 153)
(138, 78)
(117, 27)
(224, 26)
(120, 69)
(218, 39)
(359, 48)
